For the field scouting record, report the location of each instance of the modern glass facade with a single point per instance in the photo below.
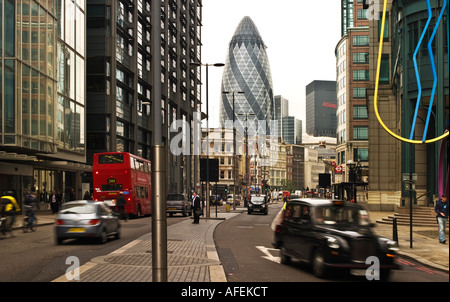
(292, 130)
(120, 79)
(42, 93)
(247, 70)
(321, 108)
(281, 109)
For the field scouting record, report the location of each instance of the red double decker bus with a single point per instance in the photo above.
(115, 172)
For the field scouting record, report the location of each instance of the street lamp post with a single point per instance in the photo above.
(197, 64)
(246, 149)
(159, 221)
(234, 146)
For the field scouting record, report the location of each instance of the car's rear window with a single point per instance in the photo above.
(175, 197)
(78, 208)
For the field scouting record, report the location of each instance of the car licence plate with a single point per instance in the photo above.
(172, 209)
(358, 272)
(77, 230)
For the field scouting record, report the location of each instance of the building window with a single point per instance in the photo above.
(360, 75)
(359, 93)
(361, 133)
(384, 70)
(360, 154)
(360, 41)
(362, 14)
(361, 58)
(386, 27)
(360, 112)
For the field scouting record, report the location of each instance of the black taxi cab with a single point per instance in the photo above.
(332, 234)
(258, 203)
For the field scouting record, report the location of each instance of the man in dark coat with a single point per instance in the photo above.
(196, 207)
(121, 203)
(441, 210)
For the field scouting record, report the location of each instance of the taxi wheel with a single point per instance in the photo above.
(285, 259)
(318, 264)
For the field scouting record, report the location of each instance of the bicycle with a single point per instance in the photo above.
(26, 224)
(6, 226)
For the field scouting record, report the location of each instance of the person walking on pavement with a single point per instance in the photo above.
(120, 203)
(87, 195)
(53, 200)
(196, 207)
(441, 210)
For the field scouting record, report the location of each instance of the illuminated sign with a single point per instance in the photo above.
(325, 104)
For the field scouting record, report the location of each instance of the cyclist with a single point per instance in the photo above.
(9, 206)
(29, 204)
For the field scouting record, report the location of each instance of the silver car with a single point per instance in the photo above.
(178, 203)
(86, 219)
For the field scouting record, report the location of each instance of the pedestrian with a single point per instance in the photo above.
(53, 200)
(120, 204)
(441, 210)
(87, 195)
(72, 195)
(196, 207)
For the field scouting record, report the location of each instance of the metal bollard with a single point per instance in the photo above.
(394, 230)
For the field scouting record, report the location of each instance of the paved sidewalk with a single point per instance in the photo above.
(426, 248)
(192, 255)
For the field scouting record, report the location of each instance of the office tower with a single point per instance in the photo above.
(292, 130)
(321, 108)
(280, 110)
(247, 70)
(352, 82)
(42, 96)
(119, 80)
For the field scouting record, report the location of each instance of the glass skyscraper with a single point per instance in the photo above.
(42, 95)
(247, 70)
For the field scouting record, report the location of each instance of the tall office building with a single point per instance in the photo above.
(292, 130)
(42, 96)
(280, 110)
(321, 108)
(247, 70)
(352, 81)
(119, 80)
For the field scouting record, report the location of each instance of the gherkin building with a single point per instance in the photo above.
(247, 70)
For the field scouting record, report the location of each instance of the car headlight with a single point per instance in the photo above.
(333, 243)
(392, 245)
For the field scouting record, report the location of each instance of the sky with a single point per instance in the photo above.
(300, 35)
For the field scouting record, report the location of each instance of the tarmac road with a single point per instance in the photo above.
(244, 245)
(36, 257)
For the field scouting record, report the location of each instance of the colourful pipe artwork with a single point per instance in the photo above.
(380, 51)
(442, 138)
